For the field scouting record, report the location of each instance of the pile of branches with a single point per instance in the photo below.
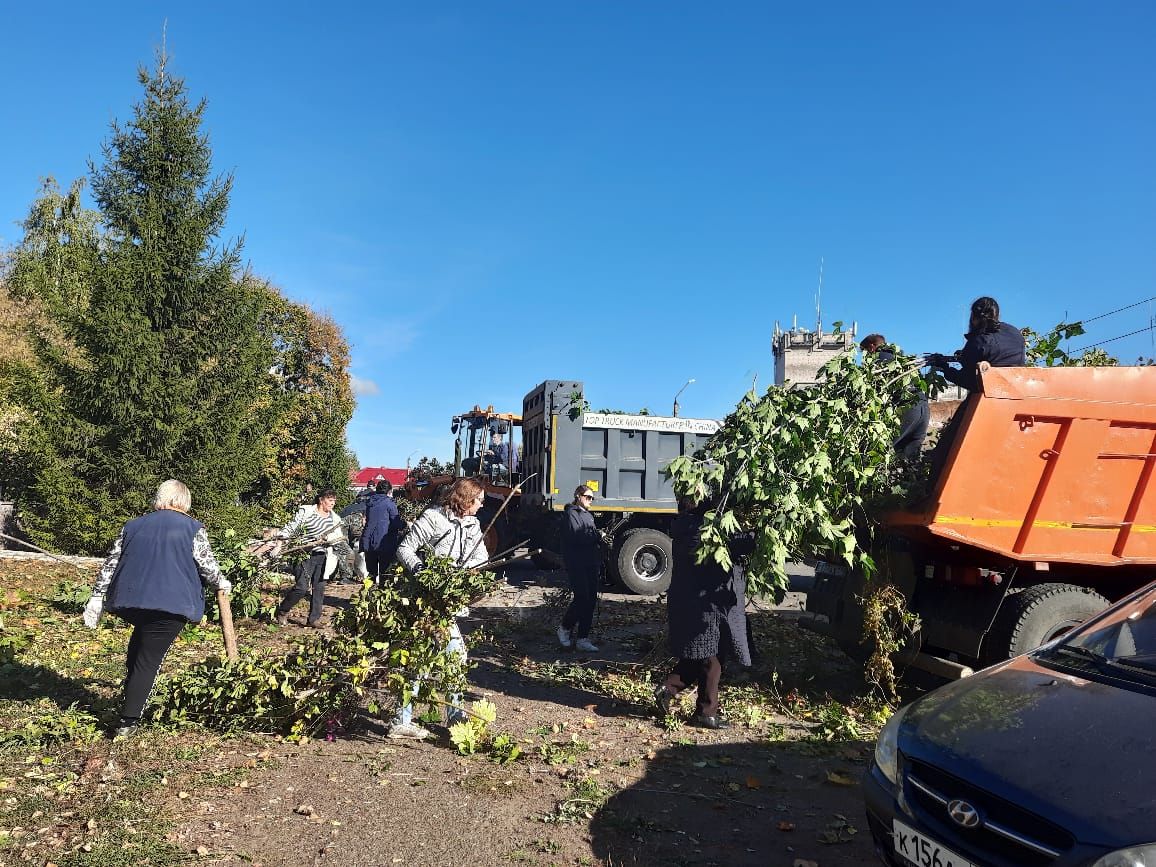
(382, 641)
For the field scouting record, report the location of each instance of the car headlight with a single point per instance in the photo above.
(1135, 856)
(887, 747)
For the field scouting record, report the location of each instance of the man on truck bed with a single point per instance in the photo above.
(988, 339)
(913, 425)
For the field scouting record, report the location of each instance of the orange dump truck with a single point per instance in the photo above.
(1043, 513)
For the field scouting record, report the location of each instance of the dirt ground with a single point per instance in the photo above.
(600, 782)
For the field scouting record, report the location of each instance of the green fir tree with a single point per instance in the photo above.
(169, 369)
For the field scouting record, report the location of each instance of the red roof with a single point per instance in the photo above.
(372, 475)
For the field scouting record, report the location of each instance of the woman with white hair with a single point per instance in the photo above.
(153, 579)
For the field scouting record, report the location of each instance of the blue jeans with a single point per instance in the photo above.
(456, 646)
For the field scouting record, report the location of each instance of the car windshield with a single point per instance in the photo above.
(1125, 637)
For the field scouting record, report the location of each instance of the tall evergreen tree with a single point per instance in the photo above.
(171, 357)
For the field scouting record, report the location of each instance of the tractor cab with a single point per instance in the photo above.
(488, 445)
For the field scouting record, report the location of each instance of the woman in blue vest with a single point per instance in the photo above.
(153, 579)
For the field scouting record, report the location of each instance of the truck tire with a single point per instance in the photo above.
(1031, 616)
(644, 560)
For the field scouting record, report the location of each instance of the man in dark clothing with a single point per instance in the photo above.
(706, 615)
(382, 533)
(500, 458)
(913, 424)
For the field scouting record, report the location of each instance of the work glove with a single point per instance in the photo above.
(225, 585)
(92, 611)
(935, 359)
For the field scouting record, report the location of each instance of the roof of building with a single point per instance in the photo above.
(372, 475)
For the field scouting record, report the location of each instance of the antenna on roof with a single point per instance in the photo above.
(819, 301)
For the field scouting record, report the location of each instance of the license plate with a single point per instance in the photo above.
(923, 850)
(822, 567)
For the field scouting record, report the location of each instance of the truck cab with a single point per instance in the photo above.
(488, 445)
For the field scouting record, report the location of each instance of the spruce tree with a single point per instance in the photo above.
(171, 370)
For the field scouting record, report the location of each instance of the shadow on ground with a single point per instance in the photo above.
(21, 682)
(739, 804)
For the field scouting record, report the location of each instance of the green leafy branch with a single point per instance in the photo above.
(383, 641)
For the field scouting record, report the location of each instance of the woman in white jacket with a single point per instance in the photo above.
(451, 530)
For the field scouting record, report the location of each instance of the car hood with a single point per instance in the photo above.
(1078, 752)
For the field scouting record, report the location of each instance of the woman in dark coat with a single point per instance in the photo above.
(987, 339)
(706, 613)
(153, 579)
(580, 539)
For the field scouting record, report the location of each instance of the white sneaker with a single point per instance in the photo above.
(409, 730)
(585, 644)
(455, 716)
(564, 637)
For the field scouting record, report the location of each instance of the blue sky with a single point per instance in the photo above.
(486, 195)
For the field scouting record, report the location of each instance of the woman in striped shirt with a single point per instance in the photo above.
(321, 526)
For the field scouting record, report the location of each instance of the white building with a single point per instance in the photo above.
(800, 352)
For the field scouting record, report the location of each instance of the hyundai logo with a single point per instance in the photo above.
(963, 814)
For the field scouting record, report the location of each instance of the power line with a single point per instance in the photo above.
(1151, 325)
(1114, 312)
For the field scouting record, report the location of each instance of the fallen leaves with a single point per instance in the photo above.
(840, 778)
(838, 830)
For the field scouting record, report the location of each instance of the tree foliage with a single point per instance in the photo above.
(427, 468)
(313, 401)
(1045, 349)
(136, 348)
(800, 467)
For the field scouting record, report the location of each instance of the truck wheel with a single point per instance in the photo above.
(1034, 615)
(644, 561)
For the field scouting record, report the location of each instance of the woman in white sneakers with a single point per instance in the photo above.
(451, 530)
(580, 539)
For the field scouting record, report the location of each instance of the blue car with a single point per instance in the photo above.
(1046, 759)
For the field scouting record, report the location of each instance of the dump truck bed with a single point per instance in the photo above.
(1052, 465)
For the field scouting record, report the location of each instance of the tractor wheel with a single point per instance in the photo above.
(1035, 615)
(644, 561)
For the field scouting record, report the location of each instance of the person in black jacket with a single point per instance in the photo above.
(382, 533)
(706, 614)
(987, 339)
(153, 579)
(580, 540)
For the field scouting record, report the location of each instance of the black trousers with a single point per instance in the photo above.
(377, 563)
(703, 673)
(580, 614)
(153, 634)
(311, 583)
(913, 430)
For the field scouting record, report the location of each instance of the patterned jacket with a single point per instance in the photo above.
(460, 539)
